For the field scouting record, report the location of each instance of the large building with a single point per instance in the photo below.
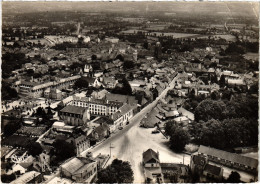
(36, 90)
(96, 106)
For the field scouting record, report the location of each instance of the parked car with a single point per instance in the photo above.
(155, 132)
(120, 128)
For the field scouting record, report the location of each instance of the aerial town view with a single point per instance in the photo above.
(129, 92)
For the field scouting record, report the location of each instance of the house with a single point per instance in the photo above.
(109, 82)
(92, 81)
(229, 159)
(122, 116)
(152, 167)
(100, 132)
(80, 142)
(73, 115)
(99, 94)
(79, 170)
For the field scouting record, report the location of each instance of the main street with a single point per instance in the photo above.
(129, 143)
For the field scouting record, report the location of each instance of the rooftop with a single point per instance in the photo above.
(235, 158)
(73, 109)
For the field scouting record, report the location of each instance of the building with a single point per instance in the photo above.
(100, 132)
(79, 170)
(81, 143)
(52, 93)
(29, 177)
(152, 167)
(36, 90)
(122, 116)
(199, 165)
(228, 159)
(73, 115)
(101, 107)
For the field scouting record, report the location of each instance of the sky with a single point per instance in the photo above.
(239, 8)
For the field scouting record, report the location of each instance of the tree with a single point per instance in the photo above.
(178, 136)
(80, 83)
(128, 65)
(222, 81)
(120, 57)
(12, 126)
(34, 149)
(208, 109)
(7, 92)
(63, 149)
(125, 90)
(118, 172)
(234, 177)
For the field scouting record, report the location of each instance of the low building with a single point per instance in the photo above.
(73, 115)
(79, 170)
(228, 159)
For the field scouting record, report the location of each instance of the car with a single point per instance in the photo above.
(120, 128)
(155, 132)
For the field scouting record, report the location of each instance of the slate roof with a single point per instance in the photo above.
(235, 158)
(150, 154)
(73, 109)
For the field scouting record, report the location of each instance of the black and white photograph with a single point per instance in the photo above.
(129, 92)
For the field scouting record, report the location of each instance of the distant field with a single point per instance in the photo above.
(174, 35)
(228, 37)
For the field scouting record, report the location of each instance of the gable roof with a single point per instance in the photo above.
(253, 163)
(73, 109)
(150, 154)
